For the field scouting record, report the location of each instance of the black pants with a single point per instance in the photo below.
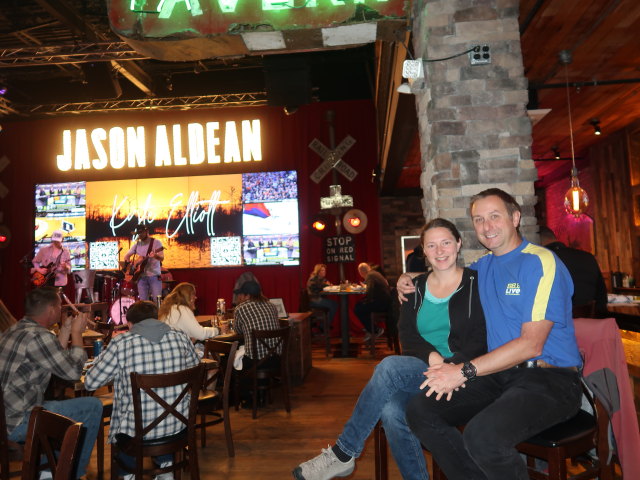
(499, 411)
(363, 311)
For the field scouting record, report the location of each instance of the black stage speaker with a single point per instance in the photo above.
(287, 80)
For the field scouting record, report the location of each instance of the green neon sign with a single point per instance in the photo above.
(166, 8)
(181, 19)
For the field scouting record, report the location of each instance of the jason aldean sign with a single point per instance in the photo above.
(160, 146)
(340, 249)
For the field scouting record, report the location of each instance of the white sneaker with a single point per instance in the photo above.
(164, 476)
(324, 467)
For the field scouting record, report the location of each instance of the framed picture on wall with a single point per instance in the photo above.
(408, 243)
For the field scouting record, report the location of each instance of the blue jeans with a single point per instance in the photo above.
(327, 303)
(151, 285)
(395, 380)
(87, 410)
(500, 411)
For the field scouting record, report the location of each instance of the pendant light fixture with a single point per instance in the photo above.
(576, 199)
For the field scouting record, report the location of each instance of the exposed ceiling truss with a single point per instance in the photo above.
(251, 99)
(37, 55)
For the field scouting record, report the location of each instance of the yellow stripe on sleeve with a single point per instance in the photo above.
(546, 282)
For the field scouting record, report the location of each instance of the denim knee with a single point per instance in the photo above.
(393, 413)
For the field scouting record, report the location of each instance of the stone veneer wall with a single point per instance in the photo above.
(474, 130)
(400, 216)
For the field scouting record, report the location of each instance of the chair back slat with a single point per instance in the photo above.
(275, 342)
(190, 380)
(179, 387)
(224, 354)
(47, 434)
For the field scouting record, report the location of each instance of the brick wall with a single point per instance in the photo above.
(474, 130)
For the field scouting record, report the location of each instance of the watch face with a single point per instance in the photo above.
(468, 370)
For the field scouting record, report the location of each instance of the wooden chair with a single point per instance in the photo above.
(182, 445)
(107, 410)
(6, 319)
(319, 317)
(9, 451)
(264, 377)
(55, 438)
(569, 439)
(215, 390)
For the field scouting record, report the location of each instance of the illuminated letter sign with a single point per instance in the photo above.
(181, 145)
(153, 19)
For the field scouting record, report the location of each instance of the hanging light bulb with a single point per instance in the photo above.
(576, 199)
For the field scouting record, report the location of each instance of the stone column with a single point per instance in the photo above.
(474, 129)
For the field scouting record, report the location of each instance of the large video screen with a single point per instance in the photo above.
(205, 221)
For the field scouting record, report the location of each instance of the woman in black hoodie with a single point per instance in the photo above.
(441, 322)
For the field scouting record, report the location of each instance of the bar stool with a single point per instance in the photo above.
(83, 280)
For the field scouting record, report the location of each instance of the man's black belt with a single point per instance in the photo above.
(541, 364)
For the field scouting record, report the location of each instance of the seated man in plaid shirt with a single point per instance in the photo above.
(149, 347)
(254, 312)
(29, 354)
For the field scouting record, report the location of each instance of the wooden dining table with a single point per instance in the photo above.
(343, 296)
(300, 358)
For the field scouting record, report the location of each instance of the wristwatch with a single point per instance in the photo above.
(469, 370)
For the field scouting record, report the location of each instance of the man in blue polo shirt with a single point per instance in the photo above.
(528, 381)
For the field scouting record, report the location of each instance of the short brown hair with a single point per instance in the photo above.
(38, 299)
(141, 310)
(509, 202)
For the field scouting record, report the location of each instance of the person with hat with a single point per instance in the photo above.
(254, 312)
(148, 264)
(52, 263)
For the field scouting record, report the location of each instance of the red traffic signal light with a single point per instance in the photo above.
(5, 236)
(320, 224)
(355, 221)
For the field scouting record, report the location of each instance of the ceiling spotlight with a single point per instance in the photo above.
(596, 126)
(556, 152)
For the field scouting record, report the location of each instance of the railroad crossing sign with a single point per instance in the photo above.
(333, 159)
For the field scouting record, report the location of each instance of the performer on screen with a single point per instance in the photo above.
(146, 267)
(52, 263)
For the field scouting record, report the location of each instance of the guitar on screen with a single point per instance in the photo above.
(134, 270)
(39, 279)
